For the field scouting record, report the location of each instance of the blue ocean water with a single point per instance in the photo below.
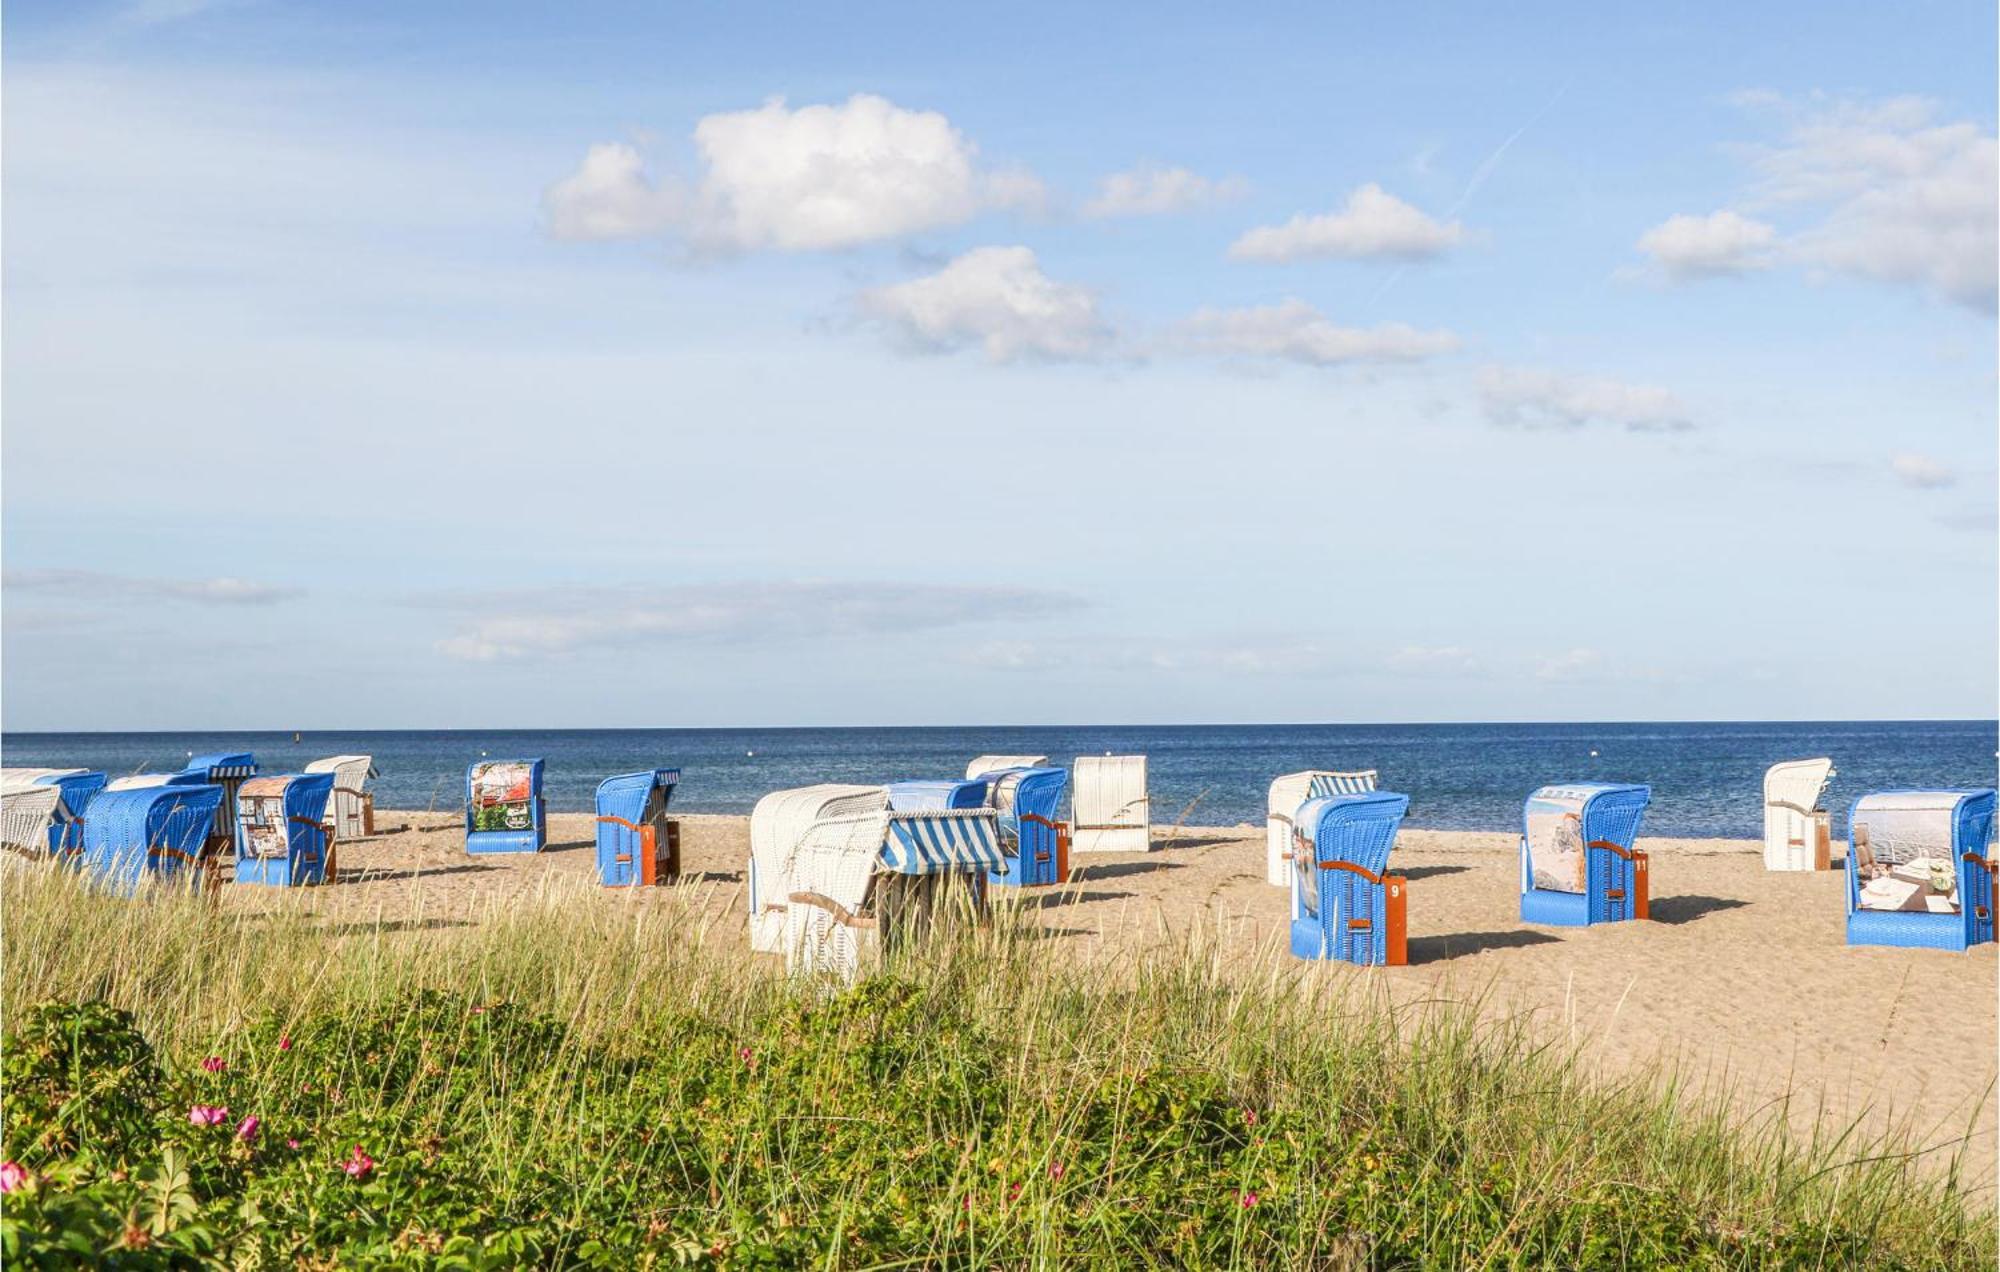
(1705, 777)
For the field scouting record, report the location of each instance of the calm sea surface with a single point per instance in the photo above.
(1705, 777)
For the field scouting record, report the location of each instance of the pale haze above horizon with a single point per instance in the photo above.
(386, 366)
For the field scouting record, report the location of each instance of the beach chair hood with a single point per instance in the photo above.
(148, 832)
(919, 795)
(1283, 800)
(780, 824)
(994, 763)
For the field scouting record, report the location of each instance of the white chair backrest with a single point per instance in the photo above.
(778, 825)
(26, 813)
(1112, 809)
(994, 763)
(350, 791)
(1791, 793)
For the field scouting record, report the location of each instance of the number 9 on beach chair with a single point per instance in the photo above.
(1032, 834)
(1110, 807)
(282, 838)
(637, 843)
(1286, 794)
(1918, 873)
(1795, 826)
(863, 887)
(1346, 905)
(1578, 865)
(504, 808)
(154, 834)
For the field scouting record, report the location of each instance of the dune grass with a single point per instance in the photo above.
(576, 1081)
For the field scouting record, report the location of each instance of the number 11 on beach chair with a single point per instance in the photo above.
(1346, 906)
(637, 843)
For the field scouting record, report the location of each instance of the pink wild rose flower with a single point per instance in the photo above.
(359, 1165)
(13, 1175)
(207, 1115)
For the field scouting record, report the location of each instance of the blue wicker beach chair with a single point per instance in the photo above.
(637, 844)
(282, 840)
(1578, 865)
(924, 795)
(504, 808)
(227, 769)
(1032, 832)
(1283, 799)
(1346, 905)
(855, 893)
(1918, 873)
(78, 787)
(152, 834)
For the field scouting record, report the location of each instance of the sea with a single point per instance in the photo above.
(1706, 778)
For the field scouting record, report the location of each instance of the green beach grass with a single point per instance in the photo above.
(577, 1082)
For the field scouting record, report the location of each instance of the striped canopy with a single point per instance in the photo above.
(935, 842)
(1327, 785)
(220, 765)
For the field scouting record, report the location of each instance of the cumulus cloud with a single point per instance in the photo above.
(92, 585)
(1720, 243)
(999, 299)
(1374, 224)
(1545, 399)
(1148, 190)
(1572, 664)
(807, 179)
(1294, 331)
(562, 621)
(1434, 659)
(1920, 472)
(1881, 190)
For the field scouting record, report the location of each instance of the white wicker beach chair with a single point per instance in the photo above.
(1113, 813)
(778, 825)
(26, 813)
(1791, 812)
(351, 811)
(834, 863)
(1287, 793)
(994, 763)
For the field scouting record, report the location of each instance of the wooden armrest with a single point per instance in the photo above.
(618, 821)
(1351, 868)
(841, 914)
(1630, 854)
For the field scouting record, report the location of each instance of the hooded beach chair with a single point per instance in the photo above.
(282, 838)
(637, 843)
(1918, 873)
(351, 810)
(29, 816)
(778, 824)
(1110, 808)
(163, 834)
(1796, 831)
(994, 763)
(1286, 794)
(504, 808)
(920, 795)
(1578, 865)
(1346, 905)
(1032, 833)
(78, 787)
(865, 886)
(227, 769)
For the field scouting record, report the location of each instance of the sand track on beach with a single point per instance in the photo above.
(1742, 975)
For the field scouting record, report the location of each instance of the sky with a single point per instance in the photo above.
(483, 365)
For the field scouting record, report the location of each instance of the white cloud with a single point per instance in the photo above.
(1880, 190)
(1148, 190)
(1295, 331)
(810, 179)
(999, 299)
(1574, 664)
(561, 621)
(1546, 399)
(91, 585)
(1721, 243)
(1374, 223)
(1920, 472)
(1434, 659)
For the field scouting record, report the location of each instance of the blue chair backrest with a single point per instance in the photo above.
(156, 831)
(627, 797)
(1336, 836)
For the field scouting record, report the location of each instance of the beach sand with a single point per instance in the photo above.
(1742, 975)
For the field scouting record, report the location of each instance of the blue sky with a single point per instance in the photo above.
(636, 365)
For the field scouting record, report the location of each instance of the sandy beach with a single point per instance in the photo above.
(1742, 975)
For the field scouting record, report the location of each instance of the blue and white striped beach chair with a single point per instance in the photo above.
(1346, 905)
(638, 845)
(1578, 862)
(1283, 800)
(1918, 870)
(158, 834)
(282, 840)
(856, 894)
